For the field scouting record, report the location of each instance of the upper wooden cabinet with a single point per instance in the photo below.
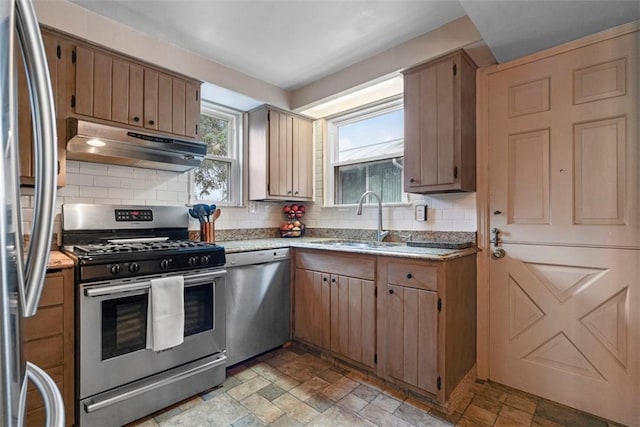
(53, 51)
(439, 125)
(280, 155)
(114, 88)
(88, 81)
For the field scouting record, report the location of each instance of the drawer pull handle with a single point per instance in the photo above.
(391, 291)
(409, 275)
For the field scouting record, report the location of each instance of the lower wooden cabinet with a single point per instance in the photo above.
(336, 312)
(426, 323)
(410, 321)
(48, 342)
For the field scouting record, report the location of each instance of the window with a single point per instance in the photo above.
(218, 179)
(365, 152)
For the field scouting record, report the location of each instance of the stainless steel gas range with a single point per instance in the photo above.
(118, 250)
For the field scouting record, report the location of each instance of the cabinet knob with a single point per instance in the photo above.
(136, 119)
(297, 192)
(412, 180)
(333, 280)
(409, 275)
(324, 279)
(289, 192)
(151, 122)
(391, 291)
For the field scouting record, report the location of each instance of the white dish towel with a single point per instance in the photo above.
(165, 313)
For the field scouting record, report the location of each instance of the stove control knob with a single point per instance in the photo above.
(164, 264)
(134, 267)
(205, 259)
(192, 261)
(116, 269)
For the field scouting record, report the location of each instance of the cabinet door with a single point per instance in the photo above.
(192, 109)
(165, 102)
(430, 140)
(94, 73)
(302, 158)
(178, 106)
(136, 95)
(411, 321)
(280, 154)
(353, 318)
(120, 92)
(311, 305)
(150, 99)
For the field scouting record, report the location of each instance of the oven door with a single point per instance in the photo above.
(113, 328)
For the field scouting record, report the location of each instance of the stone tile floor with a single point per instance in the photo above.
(295, 387)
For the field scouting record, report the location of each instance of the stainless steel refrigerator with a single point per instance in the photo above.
(22, 273)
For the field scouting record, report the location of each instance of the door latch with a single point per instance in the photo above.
(496, 237)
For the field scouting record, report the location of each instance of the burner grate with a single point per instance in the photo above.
(115, 248)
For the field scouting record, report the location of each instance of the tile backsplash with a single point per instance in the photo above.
(110, 184)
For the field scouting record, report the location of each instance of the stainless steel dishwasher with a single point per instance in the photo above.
(257, 302)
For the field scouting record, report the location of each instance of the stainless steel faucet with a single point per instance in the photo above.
(380, 234)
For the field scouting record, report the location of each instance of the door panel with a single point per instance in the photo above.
(583, 148)
(562, 327)
(563, 179)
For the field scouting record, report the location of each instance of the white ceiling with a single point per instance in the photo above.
(292, 43)
(282, 42)
(513, 29)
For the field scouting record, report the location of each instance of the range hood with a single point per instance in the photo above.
(98, 143)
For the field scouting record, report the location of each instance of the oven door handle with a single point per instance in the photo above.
(191, 280)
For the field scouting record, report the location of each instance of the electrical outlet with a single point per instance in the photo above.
(421, 212)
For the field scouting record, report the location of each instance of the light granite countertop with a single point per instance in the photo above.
(58, 259)
(387, 249)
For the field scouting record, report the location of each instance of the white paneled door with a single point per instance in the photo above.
(563, 193)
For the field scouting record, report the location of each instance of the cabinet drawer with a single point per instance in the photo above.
(344, 264)
(45, 352)
(415, 276)
(52, 293)
(46, 322)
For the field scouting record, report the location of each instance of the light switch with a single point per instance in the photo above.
(421, 212)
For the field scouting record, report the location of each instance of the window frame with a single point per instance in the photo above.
(331, 150)
(234, 154)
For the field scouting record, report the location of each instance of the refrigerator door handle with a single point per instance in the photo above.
(31, 281)
(53, 403)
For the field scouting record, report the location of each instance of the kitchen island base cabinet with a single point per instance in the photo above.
(334, 304)
(427, 324)
(48, 342)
